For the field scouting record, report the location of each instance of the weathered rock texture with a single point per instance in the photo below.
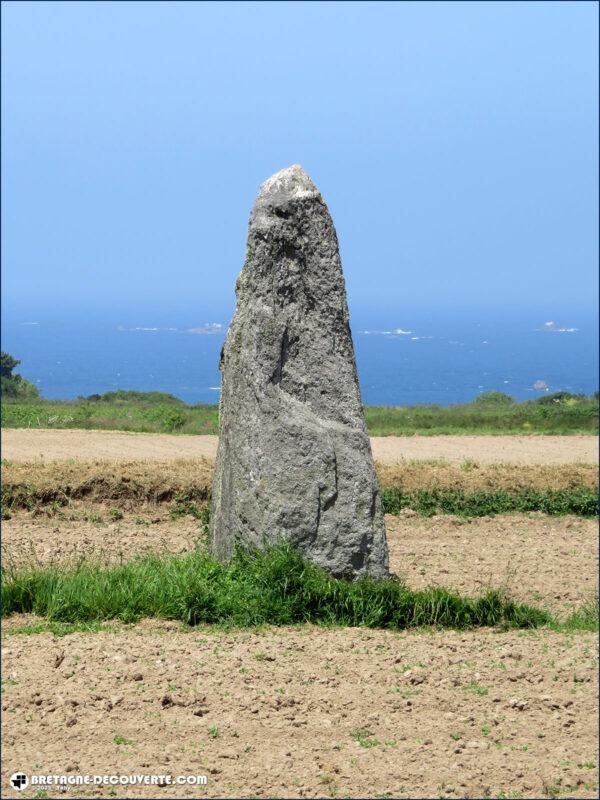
(294, 458)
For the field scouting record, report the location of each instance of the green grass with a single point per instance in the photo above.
(584, 618)
(581, 501)
(136, 416)
(59, 629)
(265, 587)
(157, 412)
(571, 415)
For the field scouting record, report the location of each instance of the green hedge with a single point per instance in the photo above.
(582, 502)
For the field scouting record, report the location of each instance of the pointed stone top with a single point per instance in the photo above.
(290, 183)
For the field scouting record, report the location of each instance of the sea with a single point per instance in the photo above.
(402, 358)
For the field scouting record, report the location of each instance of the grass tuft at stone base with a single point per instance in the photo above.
(274, 587)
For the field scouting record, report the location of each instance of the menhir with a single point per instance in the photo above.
(294, 458)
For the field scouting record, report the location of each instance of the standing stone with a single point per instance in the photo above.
(294, 457)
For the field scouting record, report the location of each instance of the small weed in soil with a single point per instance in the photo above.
(476, 688)
(361, 735)
(122, 740)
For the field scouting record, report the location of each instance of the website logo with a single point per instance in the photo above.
(19, 781)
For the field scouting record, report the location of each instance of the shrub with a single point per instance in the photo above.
(170, 418)
(14, 387)
(131, 396)
(558, 397)
(494, 399)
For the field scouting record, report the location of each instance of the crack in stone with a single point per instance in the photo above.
(287, 343)
(322, 507)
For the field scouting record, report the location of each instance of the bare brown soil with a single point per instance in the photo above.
(88, 531)
(23, 444)
(544, 561)
(306, 712)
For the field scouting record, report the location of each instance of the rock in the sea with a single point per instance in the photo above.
(294, 458)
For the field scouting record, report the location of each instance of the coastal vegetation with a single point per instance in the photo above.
(161, 412)
(490, 413)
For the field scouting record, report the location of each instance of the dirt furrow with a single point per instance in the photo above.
(307, 712)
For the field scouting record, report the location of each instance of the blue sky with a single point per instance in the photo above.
(455, 143)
